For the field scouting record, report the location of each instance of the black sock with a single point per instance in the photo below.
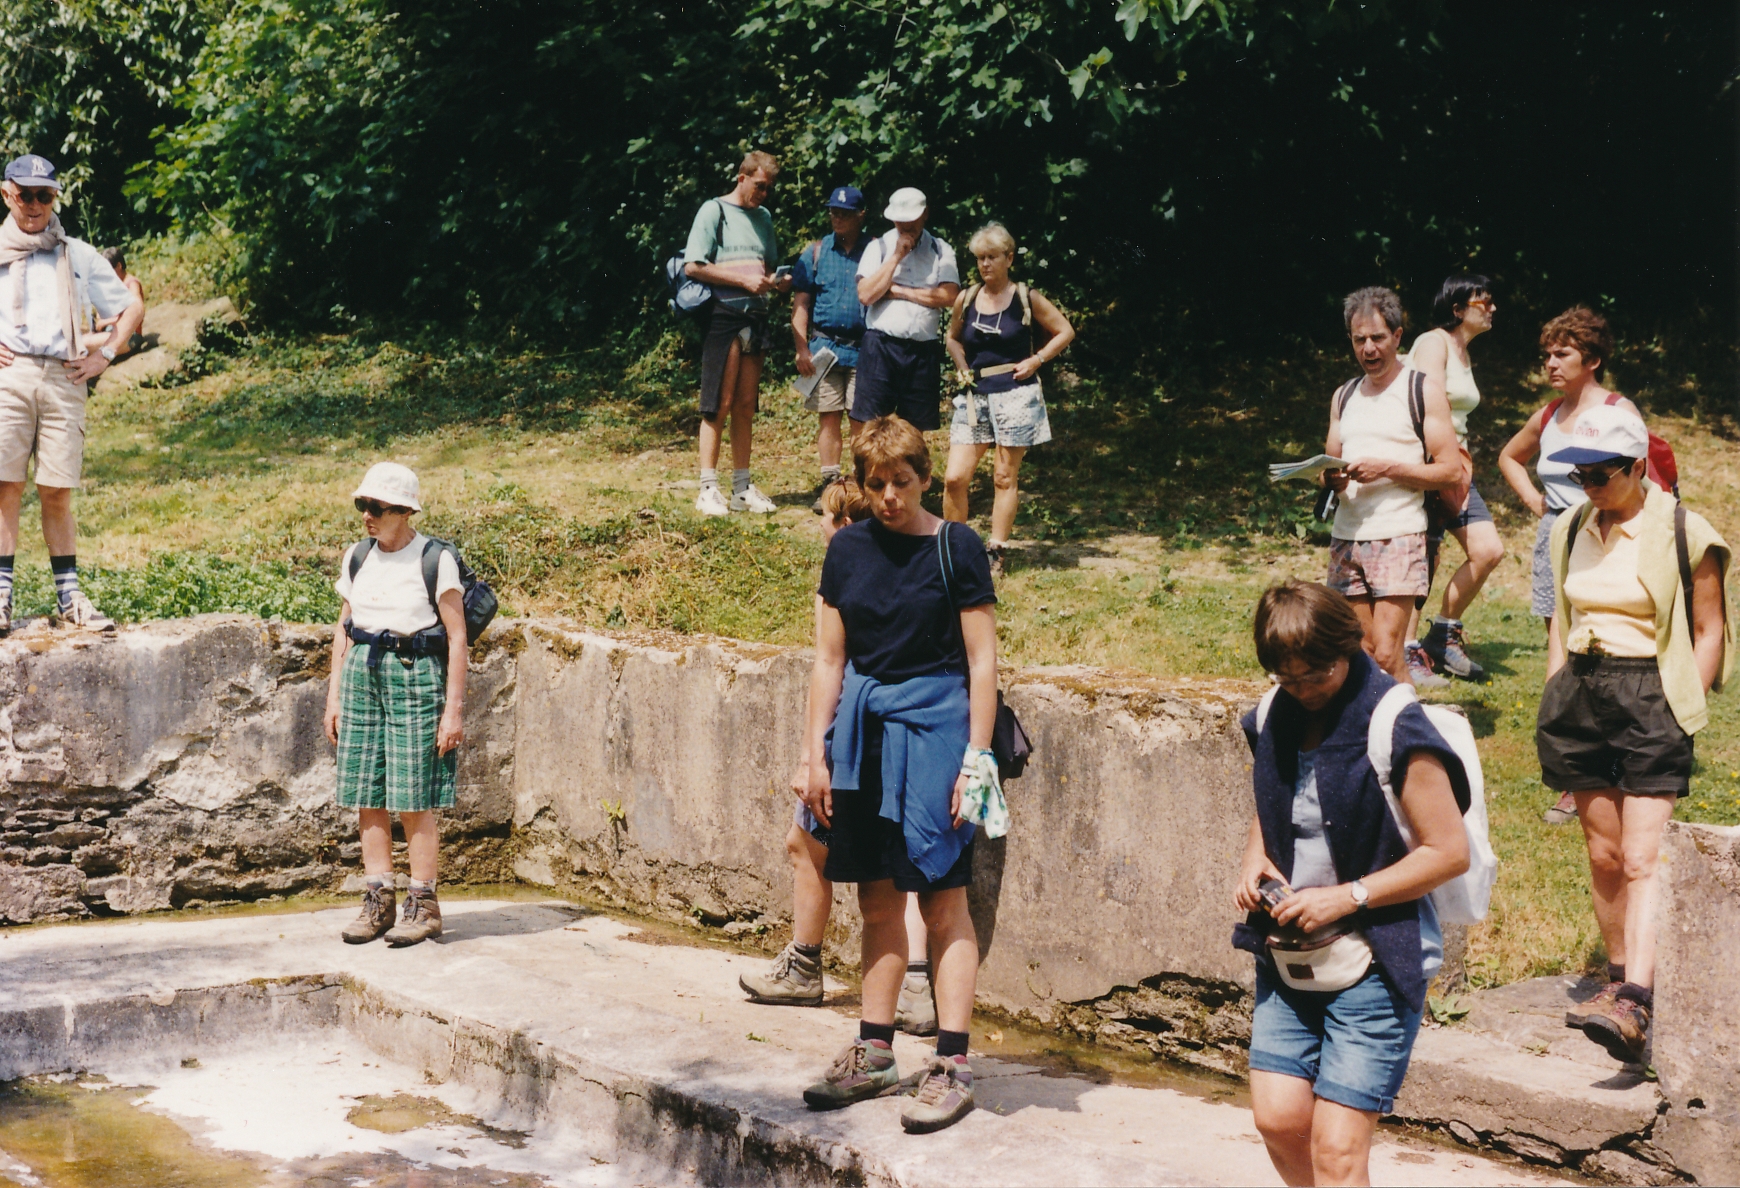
(1615, 973)
(951, 1043)
(813, 951)
(66, 577)
(1642, 995)
(918, 967)
(876, 1031)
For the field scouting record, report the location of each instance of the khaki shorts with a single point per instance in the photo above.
(834, 392)
(41, 413)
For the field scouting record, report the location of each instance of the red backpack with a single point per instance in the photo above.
(1662, 470)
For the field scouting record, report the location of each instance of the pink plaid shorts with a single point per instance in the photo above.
(1391, 568)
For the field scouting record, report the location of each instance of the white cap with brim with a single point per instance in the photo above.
(1603, 434)
(392, 484)
(905, 205)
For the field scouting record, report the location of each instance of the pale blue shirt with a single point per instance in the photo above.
(930, 263)
(43, 332)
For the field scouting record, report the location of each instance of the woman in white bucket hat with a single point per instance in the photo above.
(394, 703)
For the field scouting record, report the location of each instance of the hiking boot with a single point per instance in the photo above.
(750, 499)
(1623, 1029)
(1447, 645)
(5, 618)
(376, 917)
(792, 980)
(915, 1012)
(420, 920)
(79, 612)
(1420, 669)
(864, 1070)
(711, 502)
(1582, 1012)
(1563, 812)
(995, 556)
(821, 490)
(944, 1096)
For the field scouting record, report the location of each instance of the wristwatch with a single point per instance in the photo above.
(1361, 897)
(107, 353)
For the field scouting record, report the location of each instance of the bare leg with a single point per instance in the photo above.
(917, 935)
(955, 970)
(743, 410)
(884, 963)
(1603, 830)
(1555, 647)
(1480, 541)
(812, 895)
(1644, 818)
(1341, 1143)
(828, 438)
(1006, 477)
(711, 430)
(1282, 1107)
(59, 529)
(11, 496)
(377, 840)
(423, 840)
(963, 460)
(1384, 620)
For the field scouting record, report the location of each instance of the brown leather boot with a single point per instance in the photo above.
(1623, 1029)
(1582, 1012)
(420, 920)
(376, 917)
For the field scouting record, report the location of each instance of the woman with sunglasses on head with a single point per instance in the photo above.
(1617, 719)
(396, 699)
(1576, 346)
(1462, 313)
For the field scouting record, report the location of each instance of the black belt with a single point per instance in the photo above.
(431, 641)
(850, 339)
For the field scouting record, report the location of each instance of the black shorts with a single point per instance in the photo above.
(866, 847)
(899, 375)
(725, 326)
(1605, 723)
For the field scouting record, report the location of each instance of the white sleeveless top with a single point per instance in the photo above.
(1459, 385)
(1561, 493)
(1380, 426)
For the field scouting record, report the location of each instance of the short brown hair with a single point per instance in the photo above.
(1305, 621)
(1373, 299)
(1584, 329)
(845, 500)
(756, 161)
(887, 442)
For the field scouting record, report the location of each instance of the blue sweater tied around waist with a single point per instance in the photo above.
(925, 730)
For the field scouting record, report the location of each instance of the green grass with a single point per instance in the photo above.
(1150, 528)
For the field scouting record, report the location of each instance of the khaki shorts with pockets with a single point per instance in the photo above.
(834, 392)
(41, 413)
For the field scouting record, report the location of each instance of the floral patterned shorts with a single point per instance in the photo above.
(1391, 568)
(1013, 418)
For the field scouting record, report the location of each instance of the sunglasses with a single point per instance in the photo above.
(377, 509)
(1598, 476)
(37, 197)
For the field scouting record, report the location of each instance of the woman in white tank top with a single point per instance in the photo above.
(1462, 313)
(1577, 345)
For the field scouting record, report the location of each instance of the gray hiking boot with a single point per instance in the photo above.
(1563, 812)
(944, 1096)
(915, 1012)
(793, 979)
(1447, 645)
(864, 1070)
(420, 921)
(376, 917)
(1420, 669)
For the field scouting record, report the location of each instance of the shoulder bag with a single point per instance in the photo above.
(1009, 742)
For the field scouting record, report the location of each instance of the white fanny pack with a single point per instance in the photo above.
(1327, 966)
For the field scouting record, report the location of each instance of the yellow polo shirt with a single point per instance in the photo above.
(1612, 613)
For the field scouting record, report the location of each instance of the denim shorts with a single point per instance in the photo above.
(1353, 1046)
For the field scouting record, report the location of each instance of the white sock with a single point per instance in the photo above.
(831, 473)
(709, 477)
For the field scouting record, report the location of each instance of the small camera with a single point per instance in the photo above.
(1273, 893)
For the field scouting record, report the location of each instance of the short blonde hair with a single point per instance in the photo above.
(885, 443)
(755, 161)
(992, 238)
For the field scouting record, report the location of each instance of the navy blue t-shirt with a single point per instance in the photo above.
(888, 588)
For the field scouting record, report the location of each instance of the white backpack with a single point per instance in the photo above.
(1464, 899)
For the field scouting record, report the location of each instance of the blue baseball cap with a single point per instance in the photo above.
(843, 198)
(32, 170)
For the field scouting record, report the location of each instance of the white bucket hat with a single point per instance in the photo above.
(905, 205)
(392, 484)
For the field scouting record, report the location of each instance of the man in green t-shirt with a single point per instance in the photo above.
(732, 248)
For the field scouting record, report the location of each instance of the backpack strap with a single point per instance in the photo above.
(1346, 394)
(815, 256)
(1577, 515)
(972, 296)
(360, 553)
(1264, 704)
(1379, 750)
(432, 550)
(1552, 408)
(1417, 408)
(1682, 550)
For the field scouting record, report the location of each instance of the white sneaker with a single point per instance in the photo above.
(750, 499)
(80, 613)
(711, 502)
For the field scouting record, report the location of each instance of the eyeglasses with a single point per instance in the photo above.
(1316, 676)
(377, 509)
(1598, 476)
(37, 197)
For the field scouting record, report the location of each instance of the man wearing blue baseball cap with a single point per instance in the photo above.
(827, 316)
(51, 285)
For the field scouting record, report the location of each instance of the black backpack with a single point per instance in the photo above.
(479, 600)
(689, 296)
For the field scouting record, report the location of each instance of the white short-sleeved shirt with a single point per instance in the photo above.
(928, 265)
(389, 594)
(43, 331)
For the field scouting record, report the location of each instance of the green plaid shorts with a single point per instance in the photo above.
(387, 719)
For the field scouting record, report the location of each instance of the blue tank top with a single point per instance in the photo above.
(992, 339)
